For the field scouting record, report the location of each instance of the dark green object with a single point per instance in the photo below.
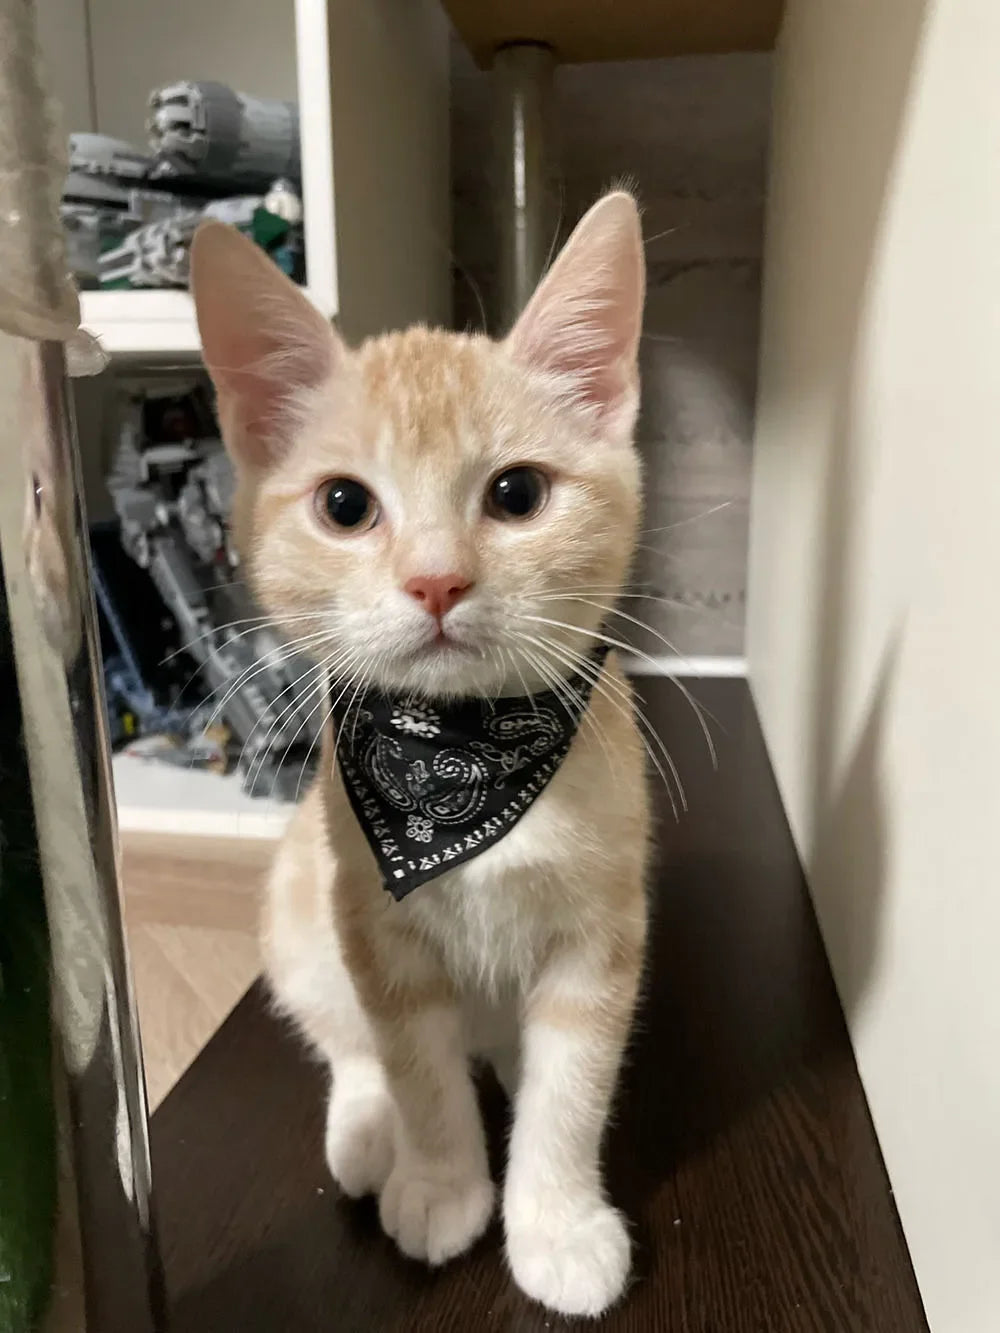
(282, 240)
(28, 1174)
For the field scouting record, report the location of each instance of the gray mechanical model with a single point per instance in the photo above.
(173, 501)
(209, 130)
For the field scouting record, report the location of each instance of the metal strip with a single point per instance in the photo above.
(522, 84)
(50, 611)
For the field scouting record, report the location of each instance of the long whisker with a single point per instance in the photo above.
(551, 679)
(315, 673)
(273, 657)
(635, 652)
(255, 622)
(520, 675)
(633, 620)
(325, 693)
(353, 675)
(627, 705)
(366, 674)
(685, 522)
(281, 653)
(562, 689)
(310, 682)
(610, 591)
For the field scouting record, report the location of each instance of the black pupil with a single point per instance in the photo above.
(517, 492)
(347, 503)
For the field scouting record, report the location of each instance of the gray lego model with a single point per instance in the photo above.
(210, 131)
(173, 501)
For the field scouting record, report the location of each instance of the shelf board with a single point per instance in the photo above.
(141, 323)
(584, 30)
(154, 797)
(153, 323)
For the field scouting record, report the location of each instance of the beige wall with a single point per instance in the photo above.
(874, 626)
(389, 112)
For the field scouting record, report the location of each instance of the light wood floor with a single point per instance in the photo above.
(191, 909)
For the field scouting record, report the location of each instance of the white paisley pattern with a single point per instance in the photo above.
(435, 785)
(419, 829)
(415, 719)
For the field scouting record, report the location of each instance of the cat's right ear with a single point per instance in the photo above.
(262, 340)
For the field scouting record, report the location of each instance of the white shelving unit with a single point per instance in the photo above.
(146, 324)
(155, 798)
(371, 81)
(155, 324)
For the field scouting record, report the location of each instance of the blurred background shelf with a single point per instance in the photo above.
(153, 324)
(158, 798)
(375, 169)
(134, 323)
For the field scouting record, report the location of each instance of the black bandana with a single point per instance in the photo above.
(434, 784)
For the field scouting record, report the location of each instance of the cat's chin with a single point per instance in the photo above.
(443, 668)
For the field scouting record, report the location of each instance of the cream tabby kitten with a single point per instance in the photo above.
(446, 515)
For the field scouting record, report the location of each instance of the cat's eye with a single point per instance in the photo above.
(346, 504)
(520, 492)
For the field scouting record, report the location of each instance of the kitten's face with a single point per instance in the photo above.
(421, 510)
(446, 436)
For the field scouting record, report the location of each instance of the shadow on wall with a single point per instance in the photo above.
(865, 95)
(851, 844)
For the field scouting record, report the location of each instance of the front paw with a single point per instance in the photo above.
(575, 1262)
(359, 1141)
(434, 1213)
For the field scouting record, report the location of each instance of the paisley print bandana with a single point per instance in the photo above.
(435, 783)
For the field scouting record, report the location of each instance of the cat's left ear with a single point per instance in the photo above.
(263, 342)
(583, 323)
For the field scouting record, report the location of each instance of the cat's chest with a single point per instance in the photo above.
(493, 917)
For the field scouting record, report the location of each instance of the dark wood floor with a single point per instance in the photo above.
(742, 1150)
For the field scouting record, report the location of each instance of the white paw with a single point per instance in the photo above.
(575, 1265)
(432, 1215)
(359, 1142)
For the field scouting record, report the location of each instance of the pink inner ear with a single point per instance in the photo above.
(585, 346)
(583, 322)
(262, 373)
(263, 342)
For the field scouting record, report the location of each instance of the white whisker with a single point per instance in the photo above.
(627, 705)
(274, 656)
(353, 675)
(685, 522)
(635, 652)
(624, 615)
(255, 623)
(558, 685)
(315, 674)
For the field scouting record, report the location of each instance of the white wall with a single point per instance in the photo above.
(874, 625)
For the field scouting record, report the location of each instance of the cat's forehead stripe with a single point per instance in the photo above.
(424, 383)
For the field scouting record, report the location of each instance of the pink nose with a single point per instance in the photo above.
(437, 593)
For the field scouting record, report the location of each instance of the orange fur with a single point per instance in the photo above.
(544, 932)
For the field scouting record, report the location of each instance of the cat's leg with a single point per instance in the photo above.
(360, 1115)
(439, 1197)
(311, 983)
(567, 1247)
